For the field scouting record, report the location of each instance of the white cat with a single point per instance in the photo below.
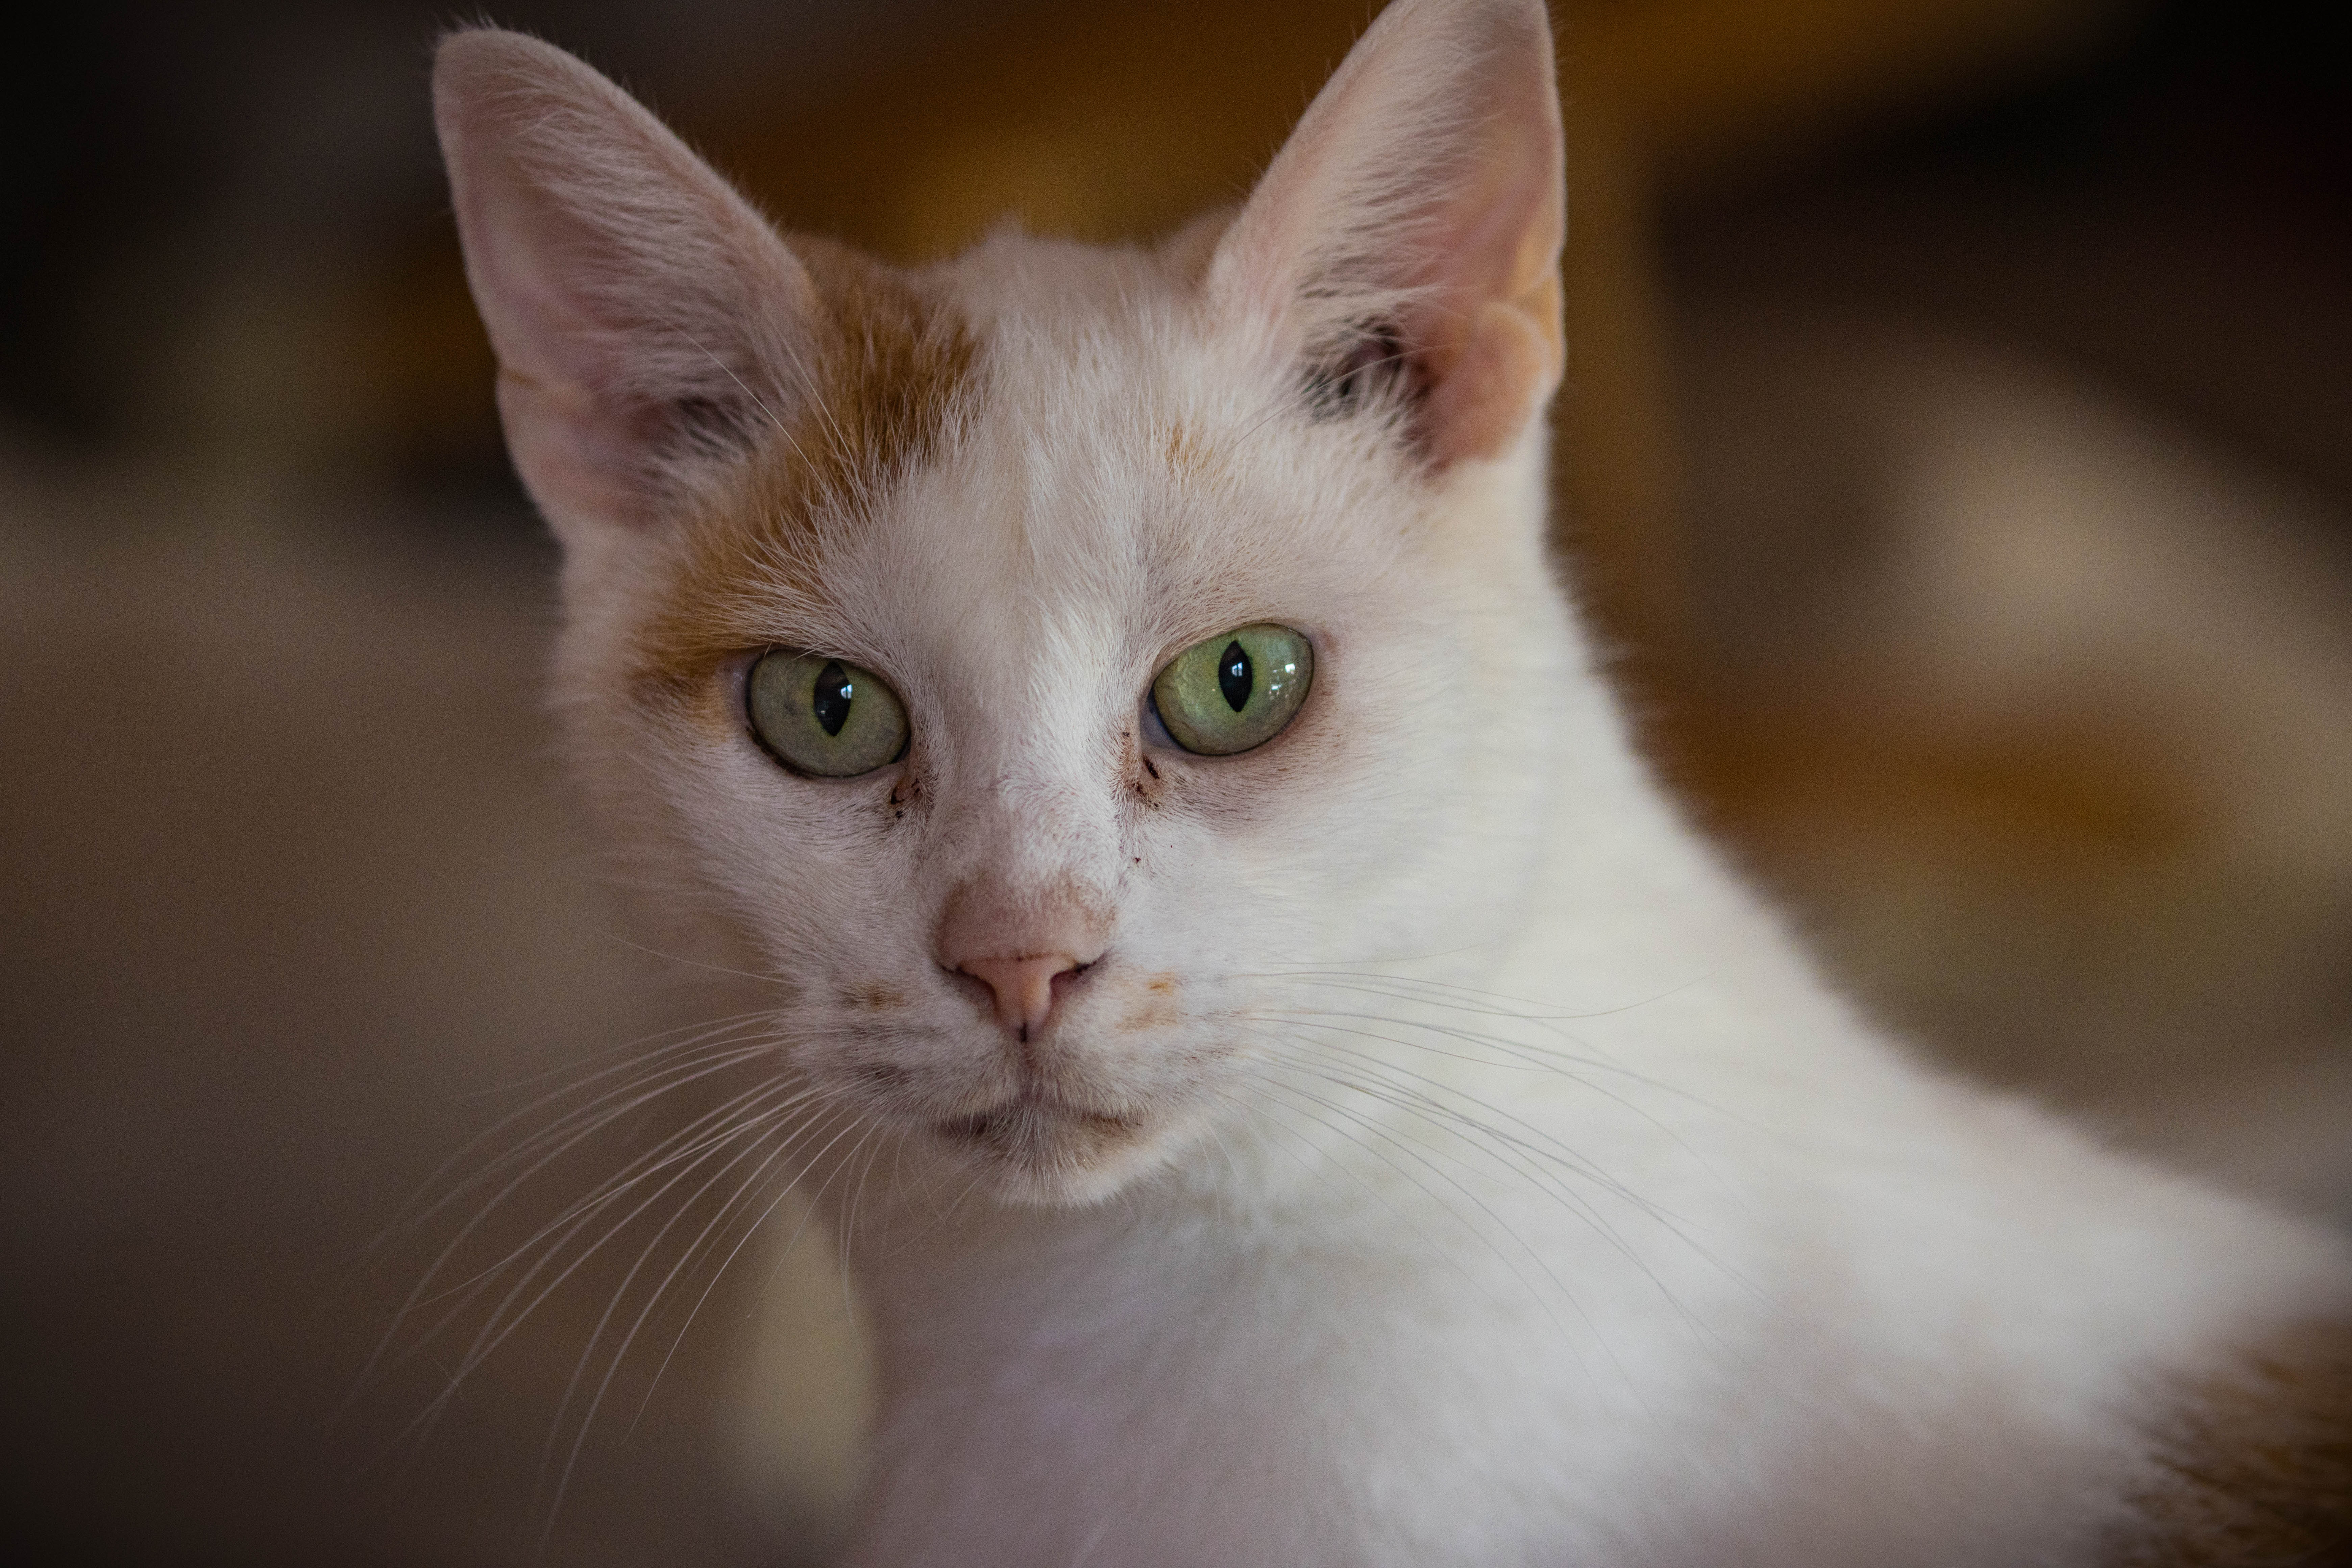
(1123, 698)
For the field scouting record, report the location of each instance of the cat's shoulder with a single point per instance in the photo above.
(2253, 1463)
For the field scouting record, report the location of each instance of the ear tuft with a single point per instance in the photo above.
(1404, 244)
(1368, 364)
(645, 318)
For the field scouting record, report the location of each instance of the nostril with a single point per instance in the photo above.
(970, 984)
(1023, 988)
(1068, 978)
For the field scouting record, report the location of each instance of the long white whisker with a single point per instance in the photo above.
(418, 1293)
(620, 1293)
(750, 1230)
(576, 1220)
(654, 1299)
(697, 1033)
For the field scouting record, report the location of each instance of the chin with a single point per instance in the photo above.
(1044, 1156)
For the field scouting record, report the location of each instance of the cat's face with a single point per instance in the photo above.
(868, 652)
(1115, 480)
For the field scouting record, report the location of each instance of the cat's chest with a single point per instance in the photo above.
(1532, 1390)
(1247, 1400)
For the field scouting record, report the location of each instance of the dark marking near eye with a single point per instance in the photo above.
(1150, 769)
(1234, 676)
(834, 694)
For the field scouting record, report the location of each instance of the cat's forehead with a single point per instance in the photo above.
(1039, 451)
(1014, 287)
(1113, 445)
(1097, 368)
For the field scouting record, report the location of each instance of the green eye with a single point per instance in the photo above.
(817, 715)
(1235, 690)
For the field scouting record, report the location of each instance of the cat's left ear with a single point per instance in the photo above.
(1416, 219)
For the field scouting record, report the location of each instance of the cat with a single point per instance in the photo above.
(1310, 1098)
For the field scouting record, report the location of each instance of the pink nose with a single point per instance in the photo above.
(1023, 987)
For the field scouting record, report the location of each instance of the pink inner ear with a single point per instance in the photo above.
(1423, 188)
(621, 279)
(563, 375)
(1502, 373)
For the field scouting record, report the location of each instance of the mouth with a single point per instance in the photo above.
(1039, 1148)
(1020, 1123)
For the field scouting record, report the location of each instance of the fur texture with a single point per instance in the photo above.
(1446, 1160)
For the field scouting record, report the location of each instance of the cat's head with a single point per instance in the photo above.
(1043, 658)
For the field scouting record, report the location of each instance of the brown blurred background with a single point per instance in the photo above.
(1954, 456)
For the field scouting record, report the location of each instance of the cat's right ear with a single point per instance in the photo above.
(644, 316)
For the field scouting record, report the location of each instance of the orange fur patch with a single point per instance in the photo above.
(1156, 1008)
(885, 387)
(2255, 1466)
(874, 997)
(1190, 460)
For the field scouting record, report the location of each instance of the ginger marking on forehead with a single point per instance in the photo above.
(1190, 460)
(879, 397)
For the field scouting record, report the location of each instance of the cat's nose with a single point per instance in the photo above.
(1023, 987)
(1020, 939)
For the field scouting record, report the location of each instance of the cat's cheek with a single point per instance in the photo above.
(1279, 789)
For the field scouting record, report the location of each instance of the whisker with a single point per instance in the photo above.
(505, 1318)
(588, 1419)
(585, 1120)
(1613, 1097)
(620, 1291)
(574, 1219)
(680, 1075)
(699, 1033)
(776, 980)
(1532, 1157)
(1373, 1127)
(750, 1230)
(573, 1140)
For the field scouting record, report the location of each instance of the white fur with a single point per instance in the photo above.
(1513, 1189)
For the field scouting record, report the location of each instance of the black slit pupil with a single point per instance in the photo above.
(1234, 676)
(834, 691)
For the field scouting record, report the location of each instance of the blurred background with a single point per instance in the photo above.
(1954, 457)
